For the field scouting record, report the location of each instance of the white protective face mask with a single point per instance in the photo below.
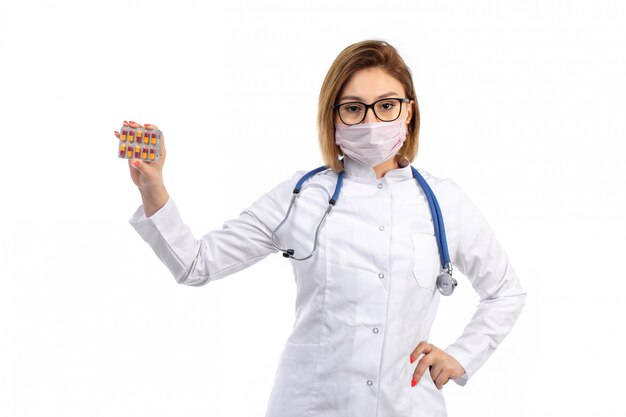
(371, 143)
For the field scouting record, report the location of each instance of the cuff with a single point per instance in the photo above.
(168, 236)
(139, 215)
(463, 360)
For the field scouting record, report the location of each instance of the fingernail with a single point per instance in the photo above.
(412, 360)
(135, 163)
(414, 382)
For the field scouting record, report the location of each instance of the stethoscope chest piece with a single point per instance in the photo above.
(445, 283)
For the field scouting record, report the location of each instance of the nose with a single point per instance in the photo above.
(370, 117)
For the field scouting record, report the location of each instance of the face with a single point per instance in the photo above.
(371, 84)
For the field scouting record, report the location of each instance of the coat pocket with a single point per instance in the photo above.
(426, 263)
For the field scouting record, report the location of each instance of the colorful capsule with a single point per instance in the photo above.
(146, 145)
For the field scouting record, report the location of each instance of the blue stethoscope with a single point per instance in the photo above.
(445, 282)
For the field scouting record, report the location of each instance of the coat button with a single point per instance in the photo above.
(369, 382)
(380, 186)
(375, 330)
(381, 228)
(381, 275)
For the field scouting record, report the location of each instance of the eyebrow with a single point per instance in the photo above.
(391, 93)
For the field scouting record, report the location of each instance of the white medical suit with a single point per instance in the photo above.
(367, 297)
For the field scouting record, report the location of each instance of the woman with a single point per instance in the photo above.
(367, 294)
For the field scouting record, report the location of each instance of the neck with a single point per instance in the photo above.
(388, 165)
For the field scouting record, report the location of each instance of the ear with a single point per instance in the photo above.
(409, 108)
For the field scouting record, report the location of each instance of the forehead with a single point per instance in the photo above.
(369, 83)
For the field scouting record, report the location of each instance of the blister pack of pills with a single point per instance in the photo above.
(140, 143)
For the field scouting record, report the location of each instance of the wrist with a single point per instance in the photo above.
(153, 199)
(153, 191)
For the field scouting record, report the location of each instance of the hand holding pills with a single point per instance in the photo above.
(144, 147)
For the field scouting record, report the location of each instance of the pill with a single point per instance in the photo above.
(122, 149)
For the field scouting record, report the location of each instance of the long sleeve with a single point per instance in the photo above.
(482, 259)
(240, 243)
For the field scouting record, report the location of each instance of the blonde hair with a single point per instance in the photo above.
(364, 54)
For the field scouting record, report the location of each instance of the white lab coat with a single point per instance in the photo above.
(367, 297)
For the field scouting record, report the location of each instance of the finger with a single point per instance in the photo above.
(134, 124)
(140, 166)
(441, 380)
(436, 370)
(117, 134)
(423, 364)
(422, 347)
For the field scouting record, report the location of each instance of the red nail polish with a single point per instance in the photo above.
(412, 360)
(413, 382)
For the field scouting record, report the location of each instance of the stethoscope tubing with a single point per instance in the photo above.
(435, 210)
(289, 253)
(445, 282)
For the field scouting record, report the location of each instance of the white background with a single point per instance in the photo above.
(522, 103)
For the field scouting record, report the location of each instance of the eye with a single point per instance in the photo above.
(352, 108)
(386, 105)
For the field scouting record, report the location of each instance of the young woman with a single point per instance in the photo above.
(366, 264)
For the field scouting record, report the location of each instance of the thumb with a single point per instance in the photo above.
(140, 166)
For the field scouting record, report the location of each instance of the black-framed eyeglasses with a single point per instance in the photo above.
(385, 110)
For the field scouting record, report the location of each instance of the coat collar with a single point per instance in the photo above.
(357, 171)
